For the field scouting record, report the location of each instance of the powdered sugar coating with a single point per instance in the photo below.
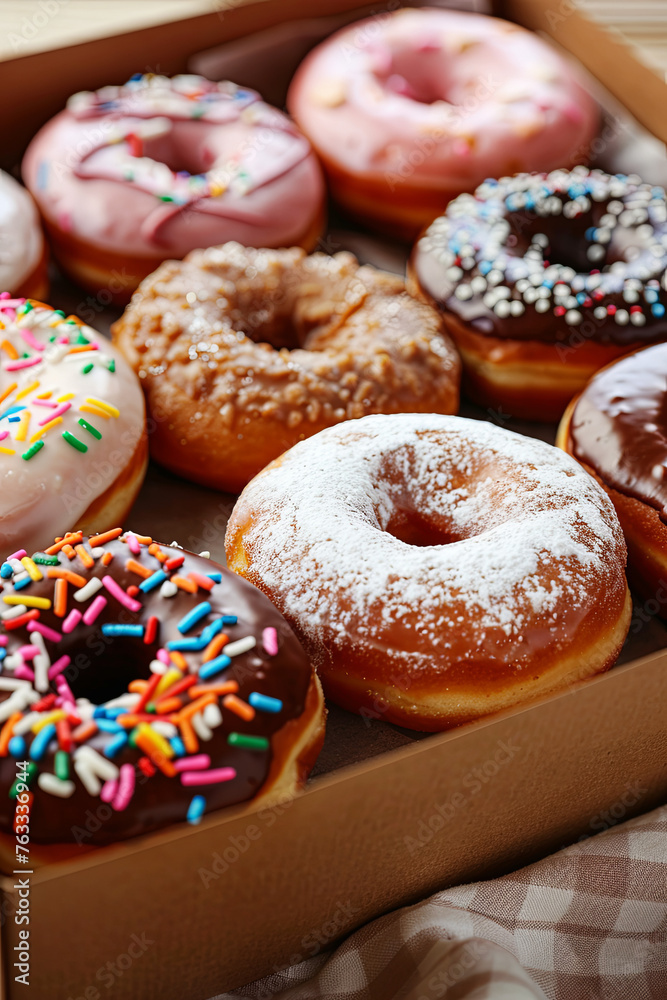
(534, 542)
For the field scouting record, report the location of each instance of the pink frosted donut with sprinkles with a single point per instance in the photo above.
(73, 446)
(409, 109)
(129, 176)
(145, 685)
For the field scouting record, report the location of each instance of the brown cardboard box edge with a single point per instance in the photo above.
(202, 910)
(241, 895)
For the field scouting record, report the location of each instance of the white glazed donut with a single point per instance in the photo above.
(436, 569)
(73, 449)
(22, 248)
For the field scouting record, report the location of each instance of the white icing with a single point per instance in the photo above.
(21, 240)
(535, 534)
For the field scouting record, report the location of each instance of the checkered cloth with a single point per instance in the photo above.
(588, 923)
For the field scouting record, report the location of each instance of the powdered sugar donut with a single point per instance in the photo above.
(73, 447)
(437, 569)
(22, 247)
(129, 176)
(409, 109)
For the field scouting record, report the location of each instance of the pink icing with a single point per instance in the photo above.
(441, 99)
(162, 166)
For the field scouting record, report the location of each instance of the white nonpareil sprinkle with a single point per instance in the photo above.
(93, 585)
(200, 727)
(15, 612)
(212, 716)
(240, 646)
(55, 786)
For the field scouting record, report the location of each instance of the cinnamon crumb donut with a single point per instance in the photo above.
(436, 569)
(242, 353)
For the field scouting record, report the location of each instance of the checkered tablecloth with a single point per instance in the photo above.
(588, 923)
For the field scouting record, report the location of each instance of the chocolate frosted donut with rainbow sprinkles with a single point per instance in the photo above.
(147, 685)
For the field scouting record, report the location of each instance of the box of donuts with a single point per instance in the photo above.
(333, 476)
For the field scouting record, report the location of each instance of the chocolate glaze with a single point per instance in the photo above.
(591, 245)
(619, 426)
(105, 665)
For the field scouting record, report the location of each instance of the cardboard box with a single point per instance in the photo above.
(392, 816)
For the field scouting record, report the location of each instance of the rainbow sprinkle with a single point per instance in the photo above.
(24, 354)
(158, 725)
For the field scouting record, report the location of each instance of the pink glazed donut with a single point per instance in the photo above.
(129, 176)
(410, 109)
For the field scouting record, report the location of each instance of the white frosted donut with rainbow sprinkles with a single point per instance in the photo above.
(73, 446)
(129, 176)
(23, 255)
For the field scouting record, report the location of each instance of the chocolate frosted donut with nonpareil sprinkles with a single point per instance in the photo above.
(73, 444)
(545, 278)
(145, 683)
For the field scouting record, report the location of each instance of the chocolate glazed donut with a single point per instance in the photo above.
(617, 429)
(122, 700)
(543, 279)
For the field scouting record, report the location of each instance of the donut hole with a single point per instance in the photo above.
(423, 79)
(300, 309)
(180, 149)
(440, 501)
(413, 528)
(567, 244)
(278, 330)
(107, 677)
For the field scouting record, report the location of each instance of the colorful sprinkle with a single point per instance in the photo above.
(263, 703)
(196, 810)
(194, 616)
(248, 742)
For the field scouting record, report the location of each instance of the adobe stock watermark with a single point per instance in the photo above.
(238, 845)
(89, 309)
(316, 940)
(471, 785)
(652, 607)
(557, 15)
(617, 812)
(34, 21)
(453, 122)
(367, 31)
(109, 974)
